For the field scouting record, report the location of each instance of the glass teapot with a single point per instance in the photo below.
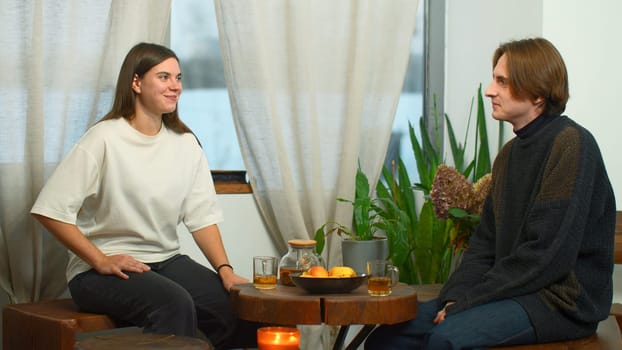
(300, 257)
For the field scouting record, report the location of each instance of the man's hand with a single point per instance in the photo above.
(440, 316)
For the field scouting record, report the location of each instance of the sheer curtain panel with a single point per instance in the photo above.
(59, 60)
(314, 86)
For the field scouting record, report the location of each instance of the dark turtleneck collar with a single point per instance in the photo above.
(534, 126)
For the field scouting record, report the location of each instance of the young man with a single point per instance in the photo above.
(539, 266)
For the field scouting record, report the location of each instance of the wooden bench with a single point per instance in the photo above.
(617, 254)
(55, 325)
(48, 325)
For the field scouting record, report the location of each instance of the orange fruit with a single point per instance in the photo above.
(342, 271)
(318, 271)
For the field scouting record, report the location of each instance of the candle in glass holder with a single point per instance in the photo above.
(278, 338)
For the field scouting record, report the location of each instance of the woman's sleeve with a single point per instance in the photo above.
(201, 207)
(74, 179)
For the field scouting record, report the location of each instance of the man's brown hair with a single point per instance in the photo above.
(536, 69)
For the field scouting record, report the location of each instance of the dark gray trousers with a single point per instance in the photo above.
(177, 296)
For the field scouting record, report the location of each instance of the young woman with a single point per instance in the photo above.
(117, 199)
(538, 268)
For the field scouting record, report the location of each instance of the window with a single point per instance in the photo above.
(205, 104)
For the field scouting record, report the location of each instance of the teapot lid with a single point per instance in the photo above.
(302, 243)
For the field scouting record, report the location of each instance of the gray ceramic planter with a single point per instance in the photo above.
(356, 253)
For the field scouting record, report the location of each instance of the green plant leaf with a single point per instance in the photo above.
(457, 150)
(362, 184)
(433, 157)
(458, 212)
(482, 164)
(420, 159)
(320, 239)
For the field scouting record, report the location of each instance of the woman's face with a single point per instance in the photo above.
(158, 91)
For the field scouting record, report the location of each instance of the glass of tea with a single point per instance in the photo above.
(264, 272)
(382, 277)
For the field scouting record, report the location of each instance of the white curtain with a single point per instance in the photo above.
(314, 86)
(60, 61)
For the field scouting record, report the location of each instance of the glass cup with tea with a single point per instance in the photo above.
(265, 272)
(382, 277)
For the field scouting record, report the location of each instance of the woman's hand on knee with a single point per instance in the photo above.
(116, 264)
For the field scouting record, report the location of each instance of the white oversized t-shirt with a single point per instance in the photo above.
(128, 192)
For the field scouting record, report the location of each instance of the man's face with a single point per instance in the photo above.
(518, 112)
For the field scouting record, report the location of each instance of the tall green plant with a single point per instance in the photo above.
(481, 161)
(420, 246)
(427, 156)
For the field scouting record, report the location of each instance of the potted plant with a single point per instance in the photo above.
(367, 240)
(423, 245)
(424, 248)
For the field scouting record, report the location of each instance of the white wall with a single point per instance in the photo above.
(243, 232)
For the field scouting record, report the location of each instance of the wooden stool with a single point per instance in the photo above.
(616, 310)
(49, 325)
(141, 341)
(607, 337)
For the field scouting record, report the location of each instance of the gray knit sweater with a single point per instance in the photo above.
(546, 234)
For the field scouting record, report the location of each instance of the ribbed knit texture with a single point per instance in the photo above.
(546, 235)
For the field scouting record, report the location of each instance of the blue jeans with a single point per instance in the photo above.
(503, 322)
(177, 296)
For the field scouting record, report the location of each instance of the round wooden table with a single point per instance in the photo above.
(286, 305)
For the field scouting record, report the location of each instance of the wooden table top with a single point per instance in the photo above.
(286, 305)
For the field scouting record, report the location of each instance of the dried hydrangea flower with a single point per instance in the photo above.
(480, 192)
(450, 189)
